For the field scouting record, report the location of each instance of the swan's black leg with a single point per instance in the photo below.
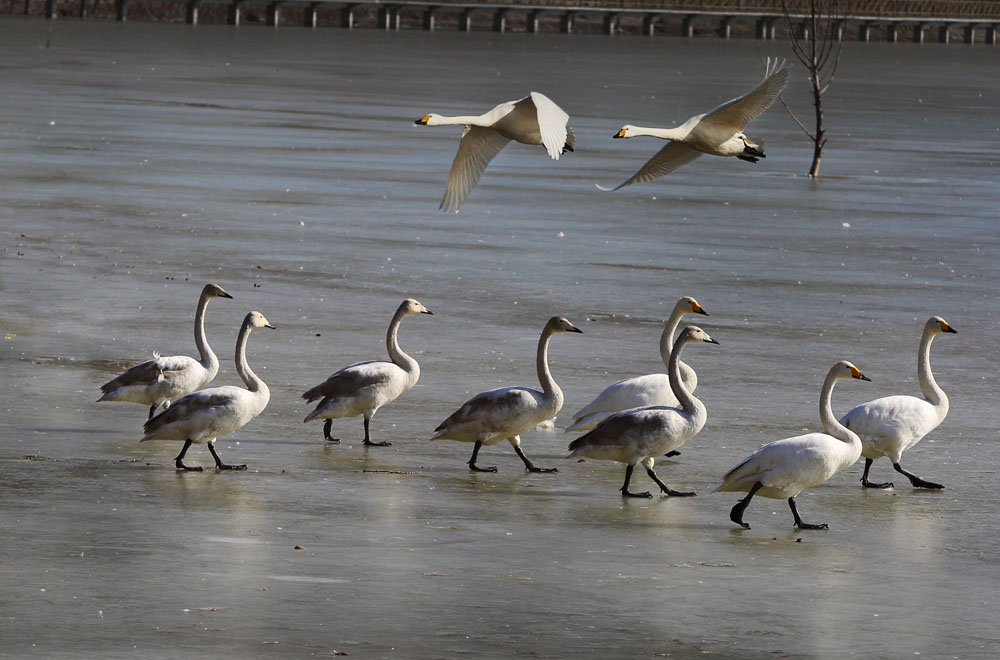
(628, 478)
(869, 484)
(179, 461)
(914, 479)
(152, 409)
(368, 439)
(326, 431)
(528, 465)
(736, 514)
(665, 488)
(472, 461)
(749, 159)
(798, 520)
(218, 461)
(671, 454)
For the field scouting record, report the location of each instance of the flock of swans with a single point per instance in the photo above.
(633, 421)
(537, 120)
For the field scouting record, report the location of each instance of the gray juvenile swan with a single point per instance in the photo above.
(535, 119)
(639, 435)
(507, 412)
(205, 415)
(159, 381)
(363, 388)
(718, 133)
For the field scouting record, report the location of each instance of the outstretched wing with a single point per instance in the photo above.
(666, 160)
(478, 147)
(741, 111)
(552, 122)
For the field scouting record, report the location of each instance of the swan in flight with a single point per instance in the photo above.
(535, 119)
(785, 468)
(648, 390)
(207, 414)
(363, 388)
(639, 435)
(159, 381)
(507, 412)
(891, 425)
(718, 133)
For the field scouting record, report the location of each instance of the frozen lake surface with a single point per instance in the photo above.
(140, 161)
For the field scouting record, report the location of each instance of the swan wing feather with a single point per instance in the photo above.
(739, 112)
(671, 157)
(479, 145)
(552, 122)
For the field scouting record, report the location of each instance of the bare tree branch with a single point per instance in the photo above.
(795, 119)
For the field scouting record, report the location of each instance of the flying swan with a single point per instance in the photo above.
(718, 133)
(535, 119)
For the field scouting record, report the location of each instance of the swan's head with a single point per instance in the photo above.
(256, 320)
(694, 333)
(561, 324)
(688, 305)
(213, 290)
(845, 369)
(429, 120)
(937, 325)
(627, 131)
(411, 306)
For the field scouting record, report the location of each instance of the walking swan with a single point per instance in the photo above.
(159, 381)
(639, 435)
(785, 468)
(507, 412)
(718, 133)
(535, 119)
(205, 415)
(891, 425)
(648, 390)
(363, 388)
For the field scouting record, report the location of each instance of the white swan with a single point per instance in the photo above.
(891, 425)
(159, 381)
(205, 415)
(639, 435)
(639, 391)
(363, 388)
(787, 467)
(535, 119)
(507, 412)
(718, 133)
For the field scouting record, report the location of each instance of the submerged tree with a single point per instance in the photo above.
(814, 33)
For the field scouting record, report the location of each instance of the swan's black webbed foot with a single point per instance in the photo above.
(218, 461)
(671, 454)
(326, 432)
(180, 466)
(369, 443)
(914, 479)
(798, 520)
(529, 466)
(476, 468)
(628, 493)
(872, 484)
(749, 159)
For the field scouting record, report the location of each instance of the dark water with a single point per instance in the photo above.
(140, 161)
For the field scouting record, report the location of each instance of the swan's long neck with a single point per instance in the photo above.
(208, 357)
(463, 120)
(549, 387)
(253, 383)
(396, 354)
(932, 392)
(678, 133)
(667, 338)
(826, 417)
(690, 403)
